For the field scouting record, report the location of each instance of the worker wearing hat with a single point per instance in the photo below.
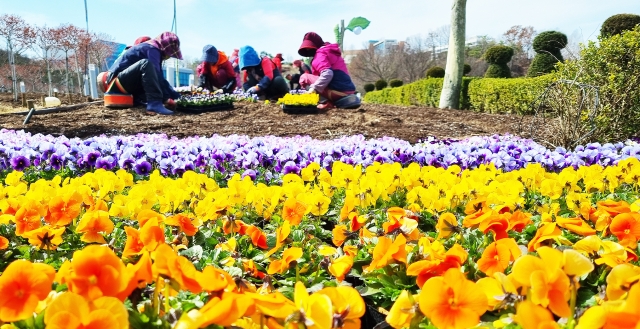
(216, 71)
(261, 76)
(139, 73)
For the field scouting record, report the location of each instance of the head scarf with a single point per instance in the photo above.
(168, 43)
(310, 43)
(248, 57)
(279, 56)
(297, 63)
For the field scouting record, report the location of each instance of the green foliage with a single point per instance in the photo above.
(361, 22)
(506, 95)
(498, 57)
(394, 83)
(549, 41)
(425, 92)
(467, 69)
(369, 87)
(542, 64)
(613, 65)
(498, 54)
(435, 72)
(547, 45)
(498, 71)
(381, 84)
(617, 24)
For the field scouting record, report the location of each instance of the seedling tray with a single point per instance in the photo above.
(293, 109)
(204, 109)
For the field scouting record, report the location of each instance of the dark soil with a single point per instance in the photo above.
(7, 103)
(258, 119)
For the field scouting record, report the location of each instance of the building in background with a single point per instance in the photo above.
(384, 46)
(111, 58)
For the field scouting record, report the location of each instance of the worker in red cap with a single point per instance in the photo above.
(294, 79)
(139, 73)
(216, 71)
(329, 75)
(278, 61)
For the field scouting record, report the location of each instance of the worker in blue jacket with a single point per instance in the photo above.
(139, 72)
(261, 75)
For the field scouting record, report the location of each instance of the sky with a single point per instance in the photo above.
(278, 26)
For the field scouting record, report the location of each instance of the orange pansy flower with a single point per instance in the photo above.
(546, 232)
(436, 265)
(234, 226)
(576, 225)
(45, 237)
(519, 220)
(341, 266)
(22, 286)
(447, 225)
(550, 286)
(258, 238)
(4, 243)
(274, 304)
(620, 280)
(251, 268)
(498, 255)
(133, 246)
(356, 221)
(187, 225)
(387, 251)
(282, 233)
(28, 216)
(146, 214)
(498, 224)
(626, 227)
(171, 266)
(282, 265)
(451, 301)
(213, 279)
(293, 211)
(139, 275)
(94, 225)
(474, 219)
(96, 271)
(151, 234)
(348, 306)
(72, 311)
(339, 235)
(64, 209)
(402, 311)
(532, 316)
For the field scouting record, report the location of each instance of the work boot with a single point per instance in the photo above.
(158, 107)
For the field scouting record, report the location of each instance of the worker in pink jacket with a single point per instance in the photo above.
(329, 75)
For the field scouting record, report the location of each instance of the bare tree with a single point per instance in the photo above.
(31, 74)
(373, 64)
(67, 39)
(18, 36)
(45, 47)
(452, 84)
(520, 38)
(101, 47)
(415, 57)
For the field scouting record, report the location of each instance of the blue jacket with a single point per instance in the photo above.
(137, 53)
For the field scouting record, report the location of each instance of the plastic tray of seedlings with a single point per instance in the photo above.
(298, 109)
(204, 108)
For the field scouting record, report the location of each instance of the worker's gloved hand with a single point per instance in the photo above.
(253, 90)
(171, 104)
(218, 91)
(311, 91)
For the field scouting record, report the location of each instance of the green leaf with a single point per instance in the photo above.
(194, 252)
(358, 22)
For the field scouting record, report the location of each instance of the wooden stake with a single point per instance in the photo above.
(24, 100)
(31, 104)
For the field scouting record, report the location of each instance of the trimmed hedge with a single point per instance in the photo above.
(479, 94)
(424, 92)
(506, 95)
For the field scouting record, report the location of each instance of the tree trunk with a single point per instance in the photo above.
(14, 77)
(66, 59)
(79, 78)
(452, 84)
(46, 59)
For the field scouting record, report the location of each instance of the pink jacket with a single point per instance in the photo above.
(330, 66)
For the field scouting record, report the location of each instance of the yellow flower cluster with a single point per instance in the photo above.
(394, 223)
(300, 100)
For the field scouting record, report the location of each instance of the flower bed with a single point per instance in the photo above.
(275, 155)
(424, 246)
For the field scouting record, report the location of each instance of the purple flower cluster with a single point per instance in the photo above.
(144, 153)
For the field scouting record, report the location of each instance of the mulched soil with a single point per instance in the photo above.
(258, 119)
(7, 103)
